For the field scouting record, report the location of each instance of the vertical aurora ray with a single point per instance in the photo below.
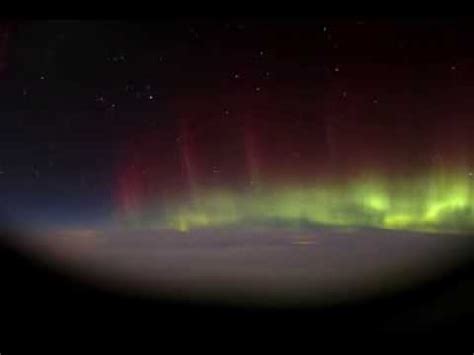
(186, 151)
(251, 156)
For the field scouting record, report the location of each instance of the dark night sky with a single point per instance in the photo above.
(76, 94)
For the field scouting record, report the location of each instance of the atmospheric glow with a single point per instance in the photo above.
(431, 203)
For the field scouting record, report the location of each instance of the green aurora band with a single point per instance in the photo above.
(436, 202)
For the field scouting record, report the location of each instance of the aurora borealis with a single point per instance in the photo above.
(266, 160)
(256, 163)
(367, 204)
(277, 163)
(197, 124)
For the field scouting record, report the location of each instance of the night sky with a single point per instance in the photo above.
(196, 123)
